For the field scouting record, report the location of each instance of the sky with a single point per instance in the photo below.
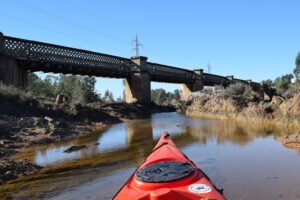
(250, 39)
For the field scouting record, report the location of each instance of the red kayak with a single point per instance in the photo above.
(167, 174)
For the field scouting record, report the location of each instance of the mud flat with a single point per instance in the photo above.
(28, 122)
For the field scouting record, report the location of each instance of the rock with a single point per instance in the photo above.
(292, 141)
(277, 100)
(40, 122)
(12, 169)
(75, 148)
(7, 173)
(60, 124)
(7, 152)
(49, 119)
(61, 98)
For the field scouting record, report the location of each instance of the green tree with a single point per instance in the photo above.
(177, 95)
(79, 89)
(282, 83)
(108, 97)
(297, 68)
(42, 87)
(268, 82)
(88, 88)
(158, 95)
(119, 99)
(239, 91)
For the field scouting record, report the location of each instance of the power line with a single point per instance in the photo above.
(90, 12)
(68, 21)
(48, 29)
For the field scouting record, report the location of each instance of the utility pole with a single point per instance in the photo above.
(208, 68)
(136, 45)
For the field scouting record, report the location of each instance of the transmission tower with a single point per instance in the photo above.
(208, 68)
(136, 45)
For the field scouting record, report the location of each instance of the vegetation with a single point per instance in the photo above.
(79, 89)
(297, 68)
(108, 97)
(283, 83)
(161, 97)
(13, 92)
(240, 92)
(268, 82)
(42, 88)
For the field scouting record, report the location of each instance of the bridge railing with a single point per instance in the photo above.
(43, 52)
(162, 73)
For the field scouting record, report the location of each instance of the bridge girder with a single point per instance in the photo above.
(39, 56)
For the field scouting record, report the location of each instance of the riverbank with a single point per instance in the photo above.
(27, 122)
(278, 112)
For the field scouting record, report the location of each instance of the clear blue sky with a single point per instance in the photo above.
(254, 39)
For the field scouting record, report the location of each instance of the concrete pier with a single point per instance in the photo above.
(138, 85)
(11, 73)
(187, 89)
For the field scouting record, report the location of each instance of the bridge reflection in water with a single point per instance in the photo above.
(112, 156)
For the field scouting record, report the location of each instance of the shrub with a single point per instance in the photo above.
(10, 91)
(239, 91)
(283, 83)
(293, 89)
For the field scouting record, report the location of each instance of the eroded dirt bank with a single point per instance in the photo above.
(278, 112)
(25, 123)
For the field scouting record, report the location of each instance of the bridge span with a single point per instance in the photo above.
(20, 56)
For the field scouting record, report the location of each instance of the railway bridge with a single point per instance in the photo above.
(20, 56)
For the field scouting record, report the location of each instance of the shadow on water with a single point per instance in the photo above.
(113, 154)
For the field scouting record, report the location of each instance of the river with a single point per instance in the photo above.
(244, 159)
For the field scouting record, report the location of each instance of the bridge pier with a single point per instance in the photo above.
(188, 88)
(10, 71)
(12, 74)
(138, 85)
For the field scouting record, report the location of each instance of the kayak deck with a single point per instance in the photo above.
(167, 174)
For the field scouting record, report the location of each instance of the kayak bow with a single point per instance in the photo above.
(167, 174)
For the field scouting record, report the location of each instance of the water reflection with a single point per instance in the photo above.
(113, 155)
(141, 135)
(137, 134)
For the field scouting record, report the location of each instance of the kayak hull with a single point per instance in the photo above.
(193, 183)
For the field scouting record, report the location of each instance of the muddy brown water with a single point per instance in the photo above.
(244, 159)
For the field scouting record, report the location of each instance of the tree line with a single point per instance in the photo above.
(285, 86)
(81, 89)
(162, 97)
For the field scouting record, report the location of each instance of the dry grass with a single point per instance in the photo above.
(12, 92)
(278, 111)
(291, 107)
(214, 105)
